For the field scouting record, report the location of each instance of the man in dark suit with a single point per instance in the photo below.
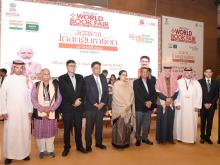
(210, 94)
(145, 103)
(96, 99)
(151, 77)
(72, 89)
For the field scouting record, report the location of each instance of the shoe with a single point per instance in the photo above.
(8, 161)
(27, 158)
(101, 146)
(209, 141)
(172, 142)
(65, 152)
(88, 149)
(202, 141)
(41, 155)
(82, 150)
(51, 154)
(218, 141)
(148, 142)
(138, 143)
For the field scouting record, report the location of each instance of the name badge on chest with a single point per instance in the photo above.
(46, 103)
(187, 96)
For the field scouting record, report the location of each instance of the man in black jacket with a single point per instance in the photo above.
(209, 98)
(72, 89)
(145, 103)
(151, 77)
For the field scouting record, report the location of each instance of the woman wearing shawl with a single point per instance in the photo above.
(123, 98)
(167, 91)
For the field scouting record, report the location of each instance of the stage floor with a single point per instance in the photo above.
(172, 154)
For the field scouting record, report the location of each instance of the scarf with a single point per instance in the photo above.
(41, 101)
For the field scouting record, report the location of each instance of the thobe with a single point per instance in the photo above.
(186, 119)
(16, 102)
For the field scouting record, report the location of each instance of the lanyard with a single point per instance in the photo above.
(187, 85)
(46, 92)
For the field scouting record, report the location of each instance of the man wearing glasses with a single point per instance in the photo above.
(72, 90)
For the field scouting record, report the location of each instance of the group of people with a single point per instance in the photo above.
(176, 103)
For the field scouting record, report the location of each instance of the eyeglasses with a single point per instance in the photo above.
(74, 66)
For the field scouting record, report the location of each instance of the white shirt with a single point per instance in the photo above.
(145, 85)
(100, 84)
(206, 79)
(73, 80)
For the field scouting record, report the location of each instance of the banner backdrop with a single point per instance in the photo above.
(182, 44)
(53, 34)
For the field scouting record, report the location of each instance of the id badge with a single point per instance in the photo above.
(47, 103)
(187, 96)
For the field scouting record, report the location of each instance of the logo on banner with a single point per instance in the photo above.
(15, 25)
(12, 10)
(88, 20)
(143, 38)
(182, 34)
(32, 26)
(143, 22)
(170, 45)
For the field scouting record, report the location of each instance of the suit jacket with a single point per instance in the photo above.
(2, 81)
(141, 95)
(211, 96)
(69, 95)
(92, 94)
(153, 80)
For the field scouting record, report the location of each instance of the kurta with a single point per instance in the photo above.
(123, 99)
(45, 128)
(16, 102)
(186, 119)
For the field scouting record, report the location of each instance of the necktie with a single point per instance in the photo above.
(146, 86)
(99, 88)
(73, 82)
(208, 85)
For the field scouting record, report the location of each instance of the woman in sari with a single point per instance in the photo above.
(123, 98)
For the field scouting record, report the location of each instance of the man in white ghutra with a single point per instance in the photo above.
(188, 104)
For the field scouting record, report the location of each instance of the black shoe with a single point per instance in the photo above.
(8, 161)
(172, 142)
(209, 141)
(82, 150)
(101, 146)
(218, 141)
(65, 152)
(27, 158)
(202, 141)
(148, 142)
(88, 149)
(41, 155)
(51, 154)
(138, 143)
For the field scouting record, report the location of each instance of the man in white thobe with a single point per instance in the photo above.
(188, 104)
(17, 109)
